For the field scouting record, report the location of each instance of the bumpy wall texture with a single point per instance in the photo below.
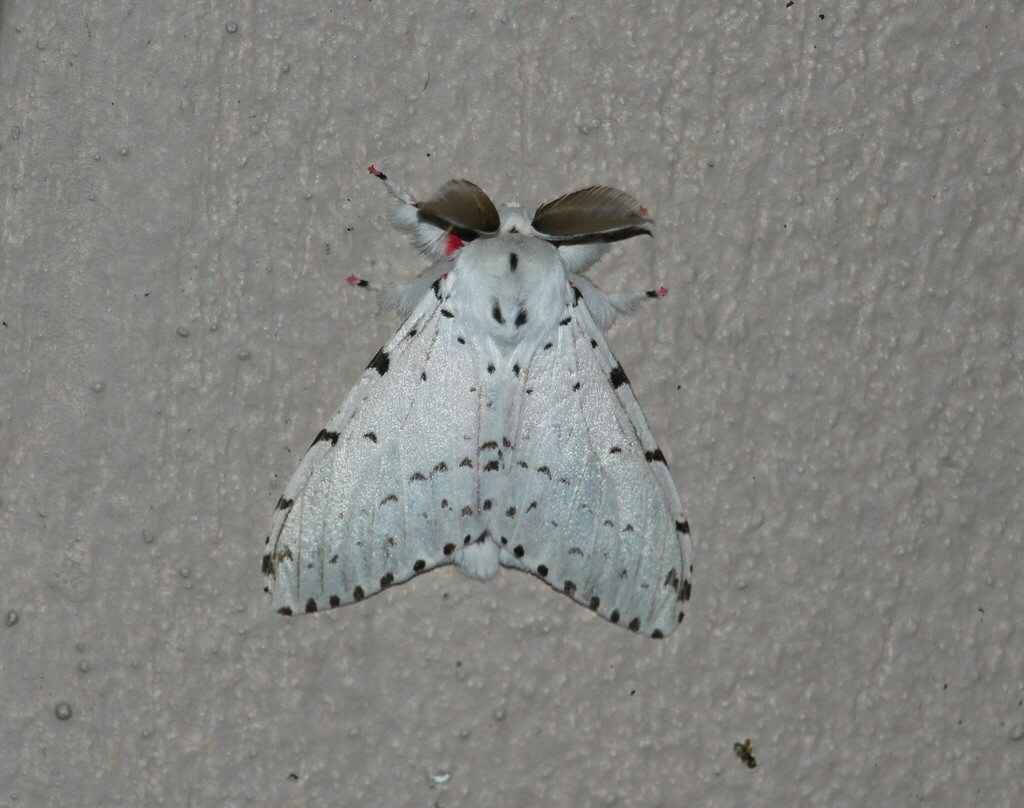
(835, 379)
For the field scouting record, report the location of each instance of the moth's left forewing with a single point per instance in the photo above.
(373, 501)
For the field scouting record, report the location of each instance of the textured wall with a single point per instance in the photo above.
(835, 379)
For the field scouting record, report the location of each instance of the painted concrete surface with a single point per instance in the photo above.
(835, 378)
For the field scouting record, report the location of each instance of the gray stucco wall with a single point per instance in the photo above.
(835, 379)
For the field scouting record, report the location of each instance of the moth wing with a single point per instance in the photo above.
(591, 507)
(377, 500)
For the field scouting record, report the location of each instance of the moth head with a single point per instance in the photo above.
(579, 225)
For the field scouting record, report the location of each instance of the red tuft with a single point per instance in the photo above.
(352, 279)
(662, 291)
(452, 245)
(643, 211)
(373, 170)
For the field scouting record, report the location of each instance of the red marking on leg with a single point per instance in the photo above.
(452, 245)
(373, 170)
(643, 212)
(662, 291)
(352, 279)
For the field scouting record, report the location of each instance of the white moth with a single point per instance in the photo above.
(495, 428)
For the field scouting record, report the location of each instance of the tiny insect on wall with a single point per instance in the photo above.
(495, 428)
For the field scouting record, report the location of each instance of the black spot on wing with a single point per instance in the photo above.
(370, 436)
(618, 377)
(310, 606)
(577, 294)
(285, 610)
(446, 313)
(381, 362)
(542, 570)
(521, 318)
(335, 601)
(436, 287)
(323, 434)
(358, 593)
(566, 321)
(419, 565)
(655, 457)
(496, 313)
(634, 624)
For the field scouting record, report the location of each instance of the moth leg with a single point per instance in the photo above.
(363, 283)
(605, 308)
(627, 302)
(393, 187)
(402, 297)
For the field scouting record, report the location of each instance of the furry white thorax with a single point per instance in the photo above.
(512, 287)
